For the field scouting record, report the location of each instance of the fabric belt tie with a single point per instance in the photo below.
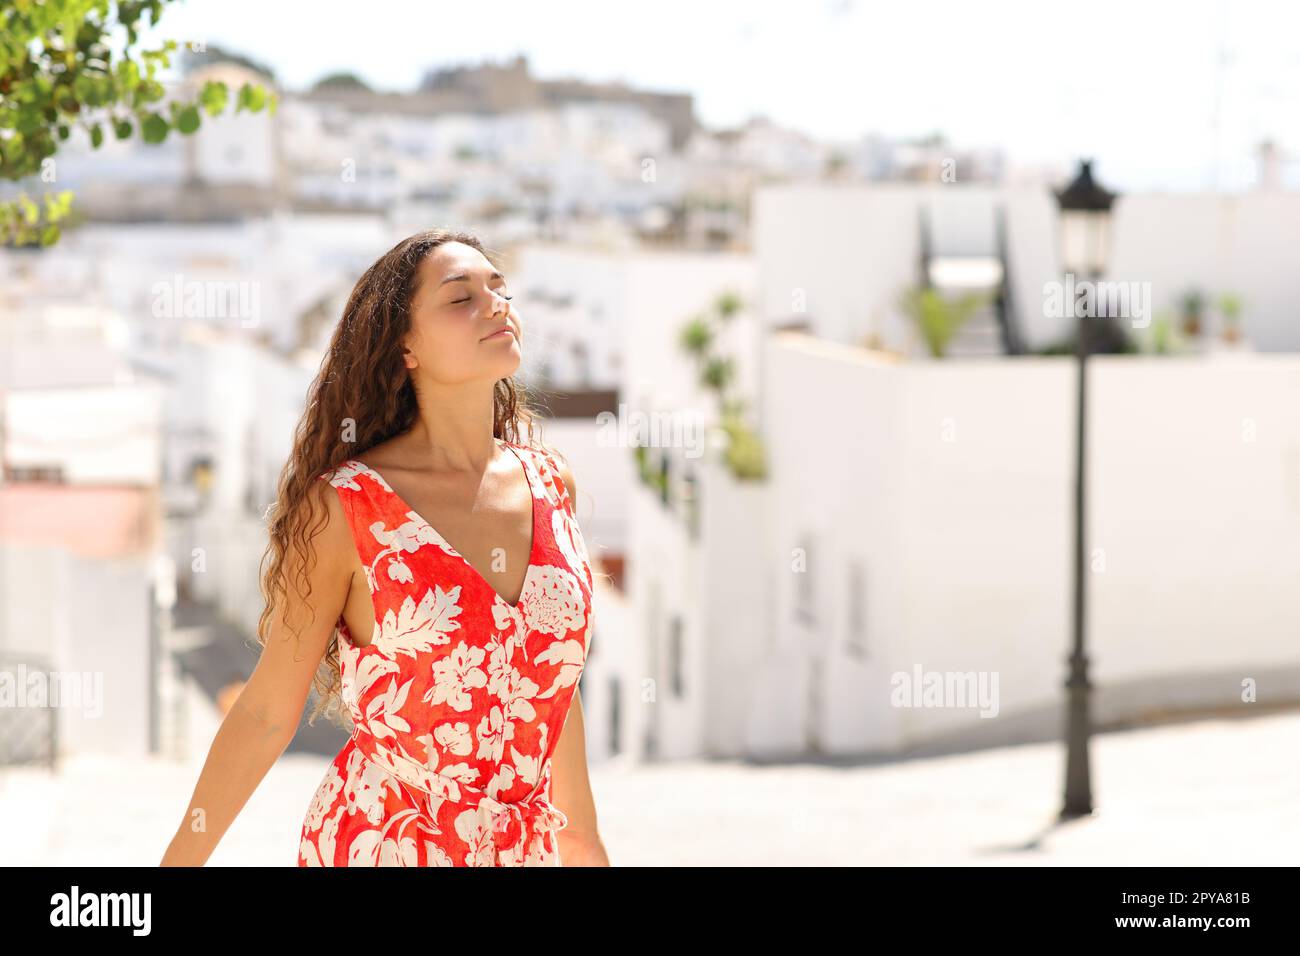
(509, 825)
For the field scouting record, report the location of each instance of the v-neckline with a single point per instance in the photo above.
(451, 549)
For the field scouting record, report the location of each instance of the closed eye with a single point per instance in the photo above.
(467, 298)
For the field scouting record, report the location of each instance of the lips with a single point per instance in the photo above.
(504, 329)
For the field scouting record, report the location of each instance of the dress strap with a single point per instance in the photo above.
(357, 487)
(549, 467)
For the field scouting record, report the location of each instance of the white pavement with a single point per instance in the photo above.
(1215, 792)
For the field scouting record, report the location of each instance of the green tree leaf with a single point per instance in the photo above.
(154, 128)
(214, 96)
(187, 119)
(251, 98)
(80, 62)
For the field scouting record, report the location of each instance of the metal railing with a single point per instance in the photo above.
(28, 734)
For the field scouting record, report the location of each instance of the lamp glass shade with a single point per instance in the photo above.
(1085, 241)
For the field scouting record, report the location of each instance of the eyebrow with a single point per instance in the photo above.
(464, 276)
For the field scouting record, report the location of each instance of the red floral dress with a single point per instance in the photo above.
(459, 698)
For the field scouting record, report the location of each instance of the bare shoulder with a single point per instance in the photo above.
(329, 534)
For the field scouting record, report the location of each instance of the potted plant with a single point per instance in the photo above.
(937, 318)
(1162, 333)
(1193, 302)
(1230, 306)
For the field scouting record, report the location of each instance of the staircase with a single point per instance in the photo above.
(955, 272)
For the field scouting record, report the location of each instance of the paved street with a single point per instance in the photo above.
(1215, 792)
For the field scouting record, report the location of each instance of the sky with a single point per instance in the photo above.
(1164, 95)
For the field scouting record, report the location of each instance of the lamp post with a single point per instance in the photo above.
(1085, 247)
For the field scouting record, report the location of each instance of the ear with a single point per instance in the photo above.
(408, 357)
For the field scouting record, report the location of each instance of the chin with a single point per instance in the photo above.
(508, 367)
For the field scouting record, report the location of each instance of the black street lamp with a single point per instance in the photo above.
(1085, 249)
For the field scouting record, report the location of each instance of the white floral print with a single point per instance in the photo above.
(459, 699)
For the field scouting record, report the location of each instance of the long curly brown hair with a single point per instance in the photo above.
(362, 396)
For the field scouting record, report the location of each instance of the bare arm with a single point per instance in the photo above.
(264, 718)
(580, 843)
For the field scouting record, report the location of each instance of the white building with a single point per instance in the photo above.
(917, 521)
(837, 257)
(80, 525)
(612, 320)
(916, 516)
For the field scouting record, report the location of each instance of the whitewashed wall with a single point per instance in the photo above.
(714, 592)
(609, 715)
(97, 435)
(663, 566)
(838, 256)
(734, 594)
(90, 620)
(953, 483)
(1243, 243)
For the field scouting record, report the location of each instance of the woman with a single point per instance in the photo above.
(458, 666)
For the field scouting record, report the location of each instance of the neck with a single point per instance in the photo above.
(453, 430)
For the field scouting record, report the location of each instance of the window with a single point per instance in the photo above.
(690, 500)
(47, 473)
(857, 618)
(650, 727)
(615, 709)
(675, 654)
(803, 566)
(665, 477)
